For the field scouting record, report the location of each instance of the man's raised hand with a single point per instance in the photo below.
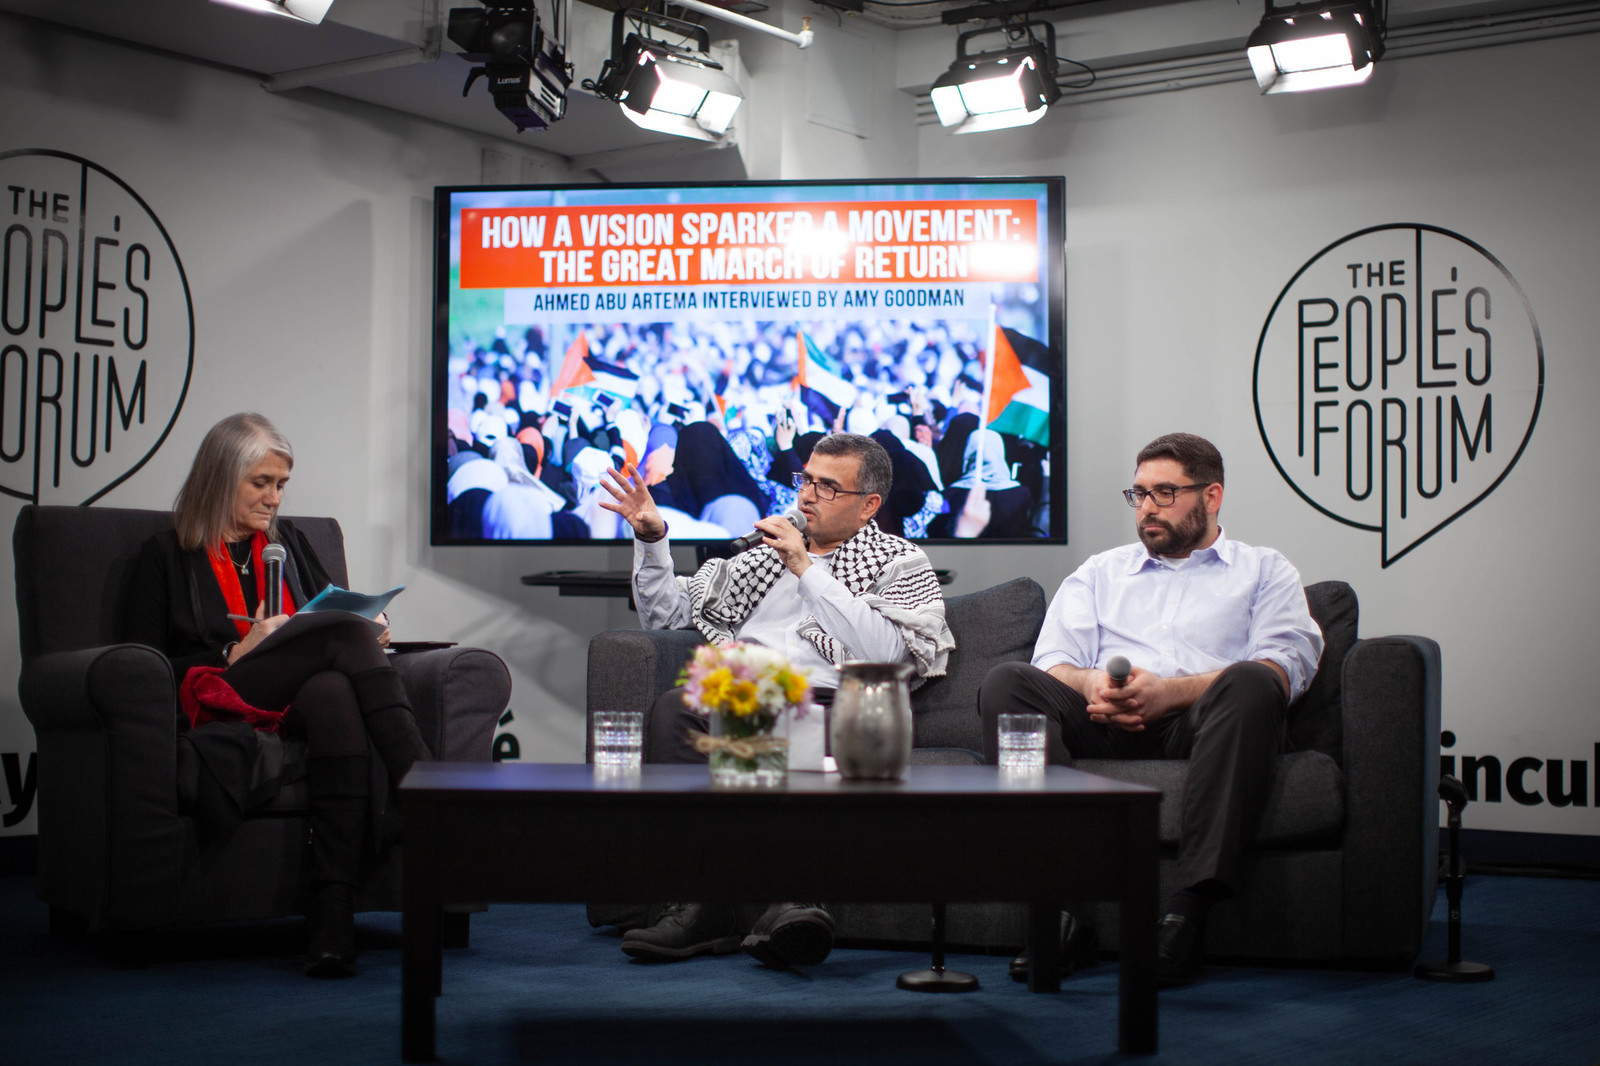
(632, 500)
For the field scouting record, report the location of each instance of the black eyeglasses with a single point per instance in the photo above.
(823, 490)
(1164, 495)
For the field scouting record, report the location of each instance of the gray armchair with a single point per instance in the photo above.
(118, 847)
(1344, 865)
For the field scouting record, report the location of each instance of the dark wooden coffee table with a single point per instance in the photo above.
(523, 832)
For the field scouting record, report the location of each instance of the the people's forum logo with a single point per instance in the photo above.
(96, 329)
(1398, 379)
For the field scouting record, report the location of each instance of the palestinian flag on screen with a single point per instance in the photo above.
(1019, 394)
(820, 381)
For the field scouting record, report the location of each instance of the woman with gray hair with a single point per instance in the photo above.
(199, 596)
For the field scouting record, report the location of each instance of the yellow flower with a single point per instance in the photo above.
(714, 687)
(742, 698)
(794, 686)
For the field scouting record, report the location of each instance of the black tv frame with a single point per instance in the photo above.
(1055, 283)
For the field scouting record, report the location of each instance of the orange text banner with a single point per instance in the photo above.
(697, 244)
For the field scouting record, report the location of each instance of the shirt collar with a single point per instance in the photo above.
(1222, 550)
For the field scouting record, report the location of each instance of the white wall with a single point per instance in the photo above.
(303, 222)
(1189, 212)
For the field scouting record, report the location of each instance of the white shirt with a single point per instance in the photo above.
(1228, 603)
(663, 602)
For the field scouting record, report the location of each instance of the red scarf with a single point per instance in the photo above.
(204, 696)
(227, 575)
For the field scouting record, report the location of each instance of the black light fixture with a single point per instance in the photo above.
(666, 87)
(1010, 86)
(526, 68)
(311, 11)
(1305, 47)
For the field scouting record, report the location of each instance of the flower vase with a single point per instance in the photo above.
(750, 750)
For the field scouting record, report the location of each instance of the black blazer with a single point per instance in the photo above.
(177, 607)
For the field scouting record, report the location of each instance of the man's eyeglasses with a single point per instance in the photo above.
(1164, 495)
(823, 490)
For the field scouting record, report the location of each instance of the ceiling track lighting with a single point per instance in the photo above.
(526, 67)
(1305, 47)
(312, 11)
(667, 87)
(1004, 87)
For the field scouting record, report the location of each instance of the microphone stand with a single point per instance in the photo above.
(1452, 969)
(937, 978)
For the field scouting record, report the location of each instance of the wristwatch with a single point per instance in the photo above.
(227, 652)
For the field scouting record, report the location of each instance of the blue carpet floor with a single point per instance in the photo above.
(538, 985)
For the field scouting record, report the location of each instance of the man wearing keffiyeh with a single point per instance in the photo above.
(843, 590)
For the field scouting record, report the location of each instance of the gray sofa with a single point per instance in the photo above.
(1344, 864)
(119, 849)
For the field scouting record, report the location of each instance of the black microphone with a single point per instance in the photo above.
(272, 557)
(754, 538)
(1119, 668)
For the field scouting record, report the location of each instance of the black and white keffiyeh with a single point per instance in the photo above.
(890, 575)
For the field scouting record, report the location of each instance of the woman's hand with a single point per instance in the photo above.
(260, 630)
(383, 637)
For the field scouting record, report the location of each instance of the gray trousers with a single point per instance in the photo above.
(1231, 735)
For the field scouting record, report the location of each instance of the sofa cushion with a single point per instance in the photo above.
(1316, 719)
(1306, 804)
(994, 626)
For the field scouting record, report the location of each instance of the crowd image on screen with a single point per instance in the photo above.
(714, 417)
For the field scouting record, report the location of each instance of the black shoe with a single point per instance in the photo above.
(331, 945)
(1080, 947)
(791, 934)
(624, 916)
(1180, 950)
(683, 931)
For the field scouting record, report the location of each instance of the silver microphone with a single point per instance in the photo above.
(1119, 668)
(272, 557)
(755, 537)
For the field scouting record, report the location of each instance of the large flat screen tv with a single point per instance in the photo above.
(711, 333)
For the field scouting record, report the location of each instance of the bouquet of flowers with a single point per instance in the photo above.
(744, 689)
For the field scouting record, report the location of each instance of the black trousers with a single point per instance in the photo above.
(311, 675)
(1231, 736)
(671, 725)
(323, 676)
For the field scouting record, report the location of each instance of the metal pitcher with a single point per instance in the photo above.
(871, 728)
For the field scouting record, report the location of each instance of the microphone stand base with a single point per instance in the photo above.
(1454, 972)
(937, 980)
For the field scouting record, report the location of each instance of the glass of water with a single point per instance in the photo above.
(1021, 742)
(618, 738)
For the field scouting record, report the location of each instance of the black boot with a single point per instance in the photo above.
(1080, 946)
(339, 801)
(685, 930)
(331, 942)
(386, 709)
(791, 934)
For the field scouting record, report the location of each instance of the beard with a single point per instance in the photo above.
(1179, 538)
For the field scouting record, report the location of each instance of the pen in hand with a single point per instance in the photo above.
(245, 618)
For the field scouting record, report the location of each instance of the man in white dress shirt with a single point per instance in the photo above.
(1220, 640)
(843, 590)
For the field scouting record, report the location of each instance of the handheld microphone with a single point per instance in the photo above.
(754, 538)
(272, 557)
(1119, 668)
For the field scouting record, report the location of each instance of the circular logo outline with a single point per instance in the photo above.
(188, 301)
(1538, 399)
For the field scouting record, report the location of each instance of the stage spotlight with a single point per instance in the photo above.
(667, 87)
(311, 11)
(526, 68)
(1315, 46)
(1005, 87)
